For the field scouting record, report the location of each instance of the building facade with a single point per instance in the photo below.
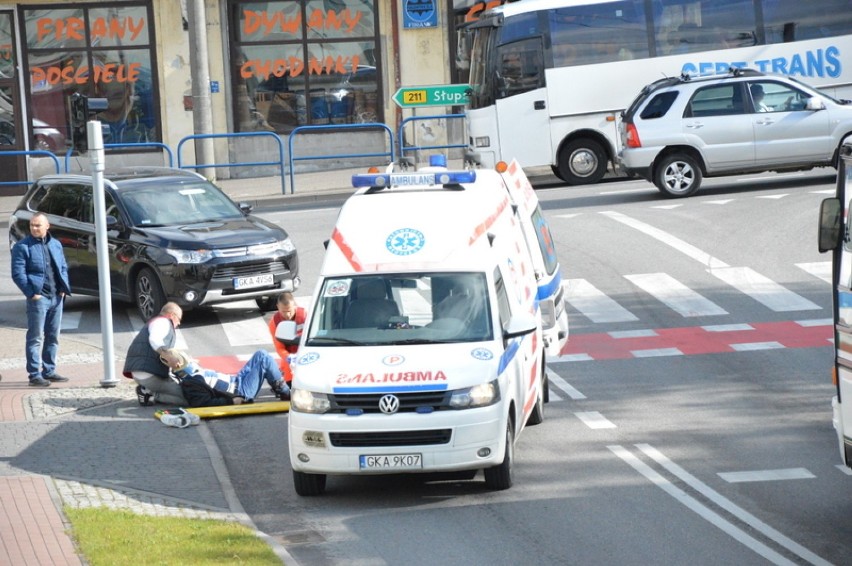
(273, 66)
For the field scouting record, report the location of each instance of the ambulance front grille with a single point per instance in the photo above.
(396, 438)
(408, 402)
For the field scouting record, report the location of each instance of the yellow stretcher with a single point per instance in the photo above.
(260, 408)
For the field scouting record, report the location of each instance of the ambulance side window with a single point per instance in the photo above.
(502, 299)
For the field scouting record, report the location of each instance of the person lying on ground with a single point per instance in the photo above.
(210, 388)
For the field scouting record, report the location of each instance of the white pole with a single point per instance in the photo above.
(96, 156)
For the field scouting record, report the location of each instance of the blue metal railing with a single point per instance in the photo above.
(277, 138)
(125, 145)
(39, 152)
(403, 148)
(367, 125)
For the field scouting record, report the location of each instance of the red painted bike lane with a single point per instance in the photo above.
(694, 340)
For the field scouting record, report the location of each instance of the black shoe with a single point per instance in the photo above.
(39, 382)
(143, 396)
(281, 391)
(56, 378)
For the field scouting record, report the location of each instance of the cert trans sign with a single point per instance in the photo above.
(437, 95)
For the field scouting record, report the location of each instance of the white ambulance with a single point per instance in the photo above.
(423, 351)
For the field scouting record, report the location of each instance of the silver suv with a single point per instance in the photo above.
(682, 129)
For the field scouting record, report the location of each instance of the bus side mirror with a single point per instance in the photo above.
(285, 333)
(829, 224)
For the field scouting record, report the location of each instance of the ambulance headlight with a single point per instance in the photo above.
(305, 401)
(477, 396)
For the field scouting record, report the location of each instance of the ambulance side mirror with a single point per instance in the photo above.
(520, 324)
(285, 333)
(829, 224)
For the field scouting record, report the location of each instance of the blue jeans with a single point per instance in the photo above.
(44, 318)
(261, 367)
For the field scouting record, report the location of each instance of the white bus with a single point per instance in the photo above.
(550, 77)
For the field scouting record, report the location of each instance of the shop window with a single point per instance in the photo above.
(304, 62)
(102, 52)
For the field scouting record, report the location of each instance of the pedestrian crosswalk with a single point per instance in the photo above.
(239, 327)
(595, 305)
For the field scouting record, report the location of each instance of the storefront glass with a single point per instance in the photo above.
(101, 51)
(304, 62)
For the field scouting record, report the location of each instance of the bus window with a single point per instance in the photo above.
(614, 31)
(521, 67)
(693, 26)
(793, 20)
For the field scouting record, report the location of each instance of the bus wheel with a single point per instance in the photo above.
(499, 477)
(677, 175)
(308, 485)
(582, 162)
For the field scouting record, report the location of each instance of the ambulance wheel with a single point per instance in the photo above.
(499, 477)
(537, 414)
(308, 485)
(267, 304)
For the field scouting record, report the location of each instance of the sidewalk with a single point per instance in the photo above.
(78, 444)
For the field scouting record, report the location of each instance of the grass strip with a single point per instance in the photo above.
(108, 537)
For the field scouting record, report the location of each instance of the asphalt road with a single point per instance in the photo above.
(689, 421)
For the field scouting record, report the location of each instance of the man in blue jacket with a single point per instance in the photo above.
(41, 273)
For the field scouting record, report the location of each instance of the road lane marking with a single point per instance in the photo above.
(820, 269)
(766, 475)
(70, 320)
(595, 305)
(563, 385)
(698, 508)
(774, 296)
(675, 295)
(753, 346)
(727, 327)
(641, 333)
(656, 353)
(672, 241)
(731, 507)
(595, 420)
(746, 280)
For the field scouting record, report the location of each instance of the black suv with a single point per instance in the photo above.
(173, 236)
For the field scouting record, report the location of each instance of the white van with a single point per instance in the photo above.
(423, 351)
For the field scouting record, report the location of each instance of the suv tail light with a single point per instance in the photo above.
(633, 136)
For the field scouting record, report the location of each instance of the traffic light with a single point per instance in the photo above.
(79, 113)
(81, 108)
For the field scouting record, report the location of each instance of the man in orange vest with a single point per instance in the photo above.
(288, 309)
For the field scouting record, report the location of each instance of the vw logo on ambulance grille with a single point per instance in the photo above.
(405, 241)
(389, 404)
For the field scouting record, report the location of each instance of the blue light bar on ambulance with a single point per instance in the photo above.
(413, 179)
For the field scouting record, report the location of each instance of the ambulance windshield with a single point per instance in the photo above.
(382, 309)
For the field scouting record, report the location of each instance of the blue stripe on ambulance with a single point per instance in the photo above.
(391, 388)
(507, 356)
(550, 288)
